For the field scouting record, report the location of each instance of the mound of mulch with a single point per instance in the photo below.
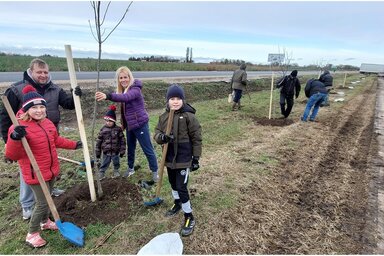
(120, 201)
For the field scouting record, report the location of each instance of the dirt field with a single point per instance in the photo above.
(318, 192)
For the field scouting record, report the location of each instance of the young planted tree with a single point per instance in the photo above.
(100, 37)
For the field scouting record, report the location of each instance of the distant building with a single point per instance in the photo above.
(367, 68)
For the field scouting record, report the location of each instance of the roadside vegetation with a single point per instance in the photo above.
(215, 186)
(19, 63)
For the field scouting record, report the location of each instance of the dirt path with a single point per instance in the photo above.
(320, 199)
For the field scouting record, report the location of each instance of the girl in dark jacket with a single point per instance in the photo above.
(134, 117)
(43, 139)
(183, 153)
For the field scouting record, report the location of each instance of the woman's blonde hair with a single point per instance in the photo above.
(124, 69)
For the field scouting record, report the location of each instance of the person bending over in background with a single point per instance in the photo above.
(327, 79)
(134, 118)
(184, 151)
(43, 140)
(110, 142)
(39, 77)
(316, 92)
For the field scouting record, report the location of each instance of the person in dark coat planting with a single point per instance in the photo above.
(184, 151)
(327, 79)
(43, 140)
(290, 87)
(316, 92)
(111, 143)
(238, 82)
(39, 77)
(134, 117)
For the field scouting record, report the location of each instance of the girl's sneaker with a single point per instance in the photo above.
(35, 240)
(49, 225)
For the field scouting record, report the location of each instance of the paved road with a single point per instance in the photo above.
(16, 76)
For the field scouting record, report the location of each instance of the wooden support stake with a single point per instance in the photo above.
(345, 79)
(80, 122)
(270, 100)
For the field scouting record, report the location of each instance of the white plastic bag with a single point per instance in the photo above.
(230, 97)
(164, 244)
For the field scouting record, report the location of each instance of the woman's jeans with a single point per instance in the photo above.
(143, 136)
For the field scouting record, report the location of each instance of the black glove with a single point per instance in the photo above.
(8, 160)
(121, 155)
(195, 163)
(79, 144)
(165, 138)
(19, 132)
(78, 91)
(297, 96)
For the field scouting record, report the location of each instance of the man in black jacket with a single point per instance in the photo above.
(290, 86)
(38, 76)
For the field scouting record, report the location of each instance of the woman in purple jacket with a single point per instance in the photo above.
(134, 118)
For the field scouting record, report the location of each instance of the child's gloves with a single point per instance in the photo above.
(121, 155)
(79, 144)
(195, 163)
(165, 138)
(19, 132)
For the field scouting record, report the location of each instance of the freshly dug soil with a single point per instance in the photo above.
(119, 201)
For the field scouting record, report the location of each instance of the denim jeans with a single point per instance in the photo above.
(315, 100)
(142, 135)
(26, 197)
(238, 94)
(107, 160)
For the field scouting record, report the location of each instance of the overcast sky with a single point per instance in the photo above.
(346, 32)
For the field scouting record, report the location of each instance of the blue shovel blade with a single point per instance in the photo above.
(155, 201)
(71, 232)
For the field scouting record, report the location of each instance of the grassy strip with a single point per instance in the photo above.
(223, 133)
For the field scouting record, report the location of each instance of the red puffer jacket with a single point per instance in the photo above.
(43, 139)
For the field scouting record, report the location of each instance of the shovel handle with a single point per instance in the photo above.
(70, 160)
(164, 153)
(32, 159)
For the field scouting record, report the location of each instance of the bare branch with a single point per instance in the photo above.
(105, 13)
(93, 34)
(122, 18)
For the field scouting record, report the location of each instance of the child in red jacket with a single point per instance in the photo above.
(43, 139)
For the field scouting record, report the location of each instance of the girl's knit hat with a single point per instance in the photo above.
(31, 98)
(111, 115)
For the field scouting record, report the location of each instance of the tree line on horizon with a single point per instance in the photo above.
(20, 62)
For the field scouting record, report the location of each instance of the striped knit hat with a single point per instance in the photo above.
(31, 98)
(111, 115)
